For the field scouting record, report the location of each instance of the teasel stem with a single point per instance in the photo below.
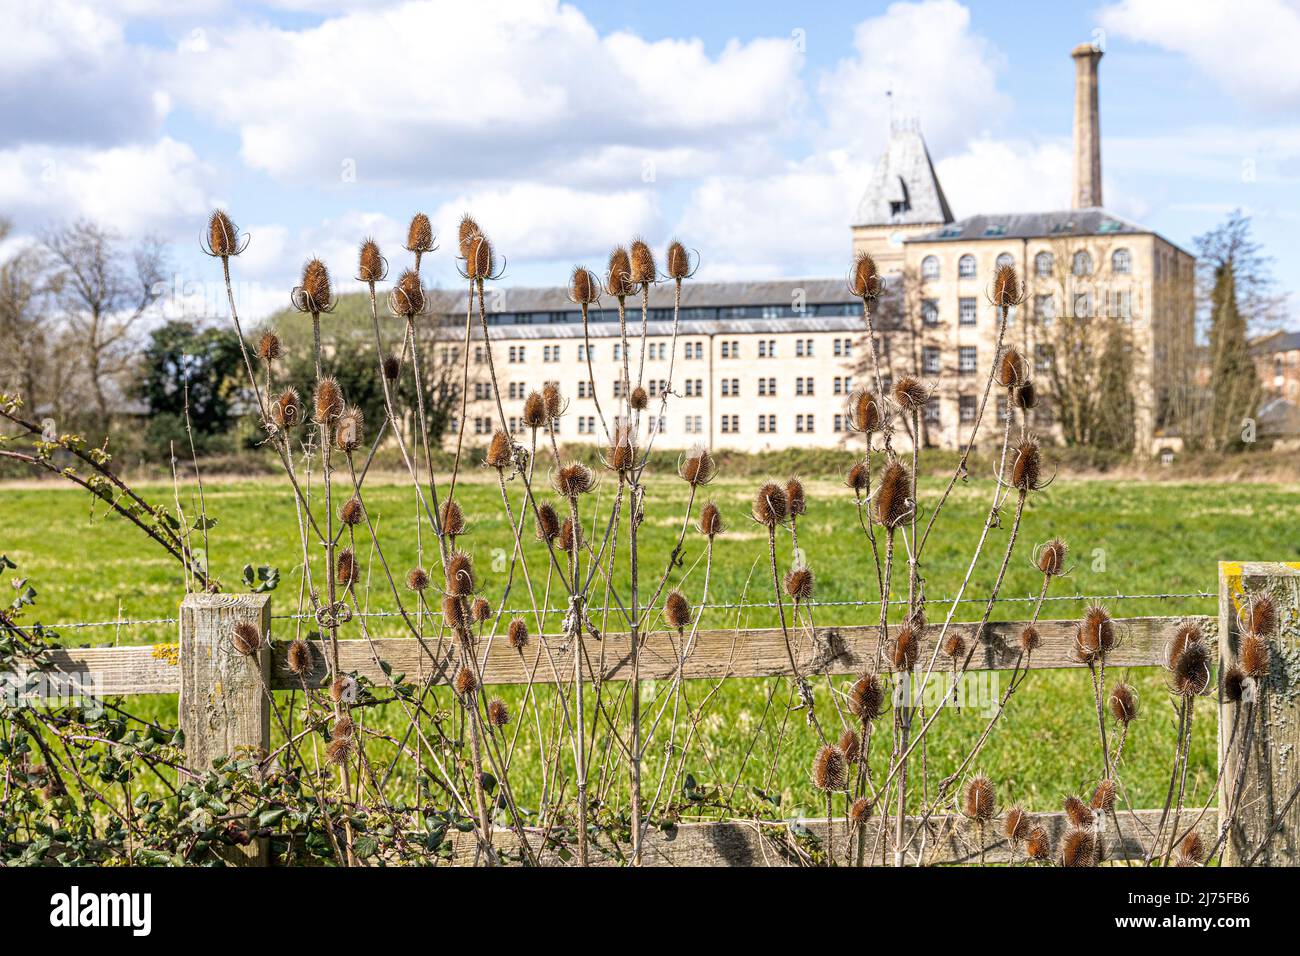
(634, 523)
(1239, 785)
(464, 393)
(805, 693)
(1098, 693)
(580, 734)
(1182, 779)
(1173, 782)
(591, 381)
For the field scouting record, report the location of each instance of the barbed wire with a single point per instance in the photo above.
(718, 606)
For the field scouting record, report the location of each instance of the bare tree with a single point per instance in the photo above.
(25, 361)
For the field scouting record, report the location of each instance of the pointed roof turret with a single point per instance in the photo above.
(904, 189)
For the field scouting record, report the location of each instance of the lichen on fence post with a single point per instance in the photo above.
(1259, 713)
(224, 702)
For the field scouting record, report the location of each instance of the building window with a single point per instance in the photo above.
(582, 352)
(1003, 409)
(482, 426)
(839, 424)
(929, 360)
(659, 351)
(619, 388)
(1082, 264)
(967, 310)
(930, 313)
(767, 387)
(584, 389)
(516, 353)
(1045, 308)
(516, 390)
(966, 409)
(966, 267)
(767, 348)
(843, 384)
(586, 424)
(804, 423)
(695, 350)
(930, 267)
(1121, 262)
(767, 424)
(694, 424)
(1043, 264)
(694, 387)
(481, 391)
(730, 424)
(967, 358)
(550, 353)
(932, 413)
(1006, 259)
(657, 424)
(731, 349)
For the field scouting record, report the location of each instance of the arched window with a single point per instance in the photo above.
(1006, 259)
(1082, 263)
(966, 267)
(930, 267)
(1043, 264)
(1121, 262)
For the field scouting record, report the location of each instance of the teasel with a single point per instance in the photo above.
(677, 611)
(352, 513)
(299, 657)
(548, 522)
(452, 518)
(1189, 675)
(465, 683)
(893, 502)
(1077, 812)
(858, 478)
(620, 456)
(980, 801)
(480, 611)
(909, 393)
(574, 480)
(1012, 371)
(223, 239)
(1050, 558)
(328, 400)
(905, 647)
(641, 270)
(1254, 656)
(1079, 849)
(554, 400)
(419, 235)
(407, 299)
(697, 467)
(343, 727)
(344, 689)
(454, 614)
(860, 812)
(618, 277)
(372, 267)
(460, 577)
(480, 261)
(314, 293)
(498, 714)
(500, 454)
(830, 772)
(286, 410)
(679, 262)
(269, 347)
(570, 537)
(349, 431)
(1260, 614)
(1026, 468)
(1024, 396)
(346, 572)
(867, 698)
(865, 281)
(339, 750)
(770, 506)
(1037, 845)
(1124, 703)
(710, 524)
(1234, 683)
(1006, 290)
(466, 232)
(796, 500)
(1016, 825)
(534, 416)
(584, 288)
(417, 579)
(799, 584)
(1095, 635)
(1191, 852)
(850, 745)
(246, 638)
(638, 400)
(517, 634)
(864, 411)
(1028, 639)
(392, 367)
(1103, 798)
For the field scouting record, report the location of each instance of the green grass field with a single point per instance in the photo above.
(1126, 537)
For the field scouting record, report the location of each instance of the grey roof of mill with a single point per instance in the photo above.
(687, 327)
(1280, 342)
(1033, 225)
(904, 189)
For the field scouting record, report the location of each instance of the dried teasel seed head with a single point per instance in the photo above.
(584, 288)
(343, 727)
(554, 400)
(454, 613)
(1012, 371)
(1187, 632)
(858, 478)
(1026, 466)
(1052, 556)
(452, 517)
(980, 802)
(315, 290)
(570, 536)
(795, 499)
(860, 812)
(1077, 811)
(466, 682)
(1123, 703)
(893, 502)
(677, 610)
(850, 745)
(865, 280)
(349, 432)
(286, 410)
(499, 453)
(1079, 848)
(909, 393)
(1192, 849)
(269, 347)
(223, 235)
(954, 646)
(370, 264)
(534, 411)
(1024, 396)
(638, 400)
(419, 234)
(574, 480)
(799, 584)
(643, 263)
(697, 466)
(864, 411)
(830, 769)
(339, 750)
(906, 647)
(1234, 679)
(498, 714)
(392, 367)
(352, 513)
(346, 571)
(1254, 656)
(770, 507)
(466, 232)
(620, 457)
(1037, 844)
(1096, 634)
(481, 262)
(1103, 798)
(407, 298)
(1015, 825)
(1190, 674)
(1261, 614)
(548, 522)
(710, 523)
(246, 638)
(1029, 639)
(480, 611)
(460, 574)
(328, 400)
(1006, 291)
(867, 698)
(517, 634)
(417, 579)
(299, 657)
(679, 261)
(618, 281)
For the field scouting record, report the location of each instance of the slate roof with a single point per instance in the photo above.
(904, 189)
(1033, 225)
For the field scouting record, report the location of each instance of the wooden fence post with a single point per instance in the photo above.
(224, 704)
(1271, 774)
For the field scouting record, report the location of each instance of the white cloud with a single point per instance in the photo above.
(1248, 45)
(1000, 176)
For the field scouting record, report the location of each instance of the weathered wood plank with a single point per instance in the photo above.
(224, 704)
(950, 840)
(110, 671)
(719, 653)
(1271, 772)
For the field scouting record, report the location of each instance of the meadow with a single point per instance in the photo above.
(1130, 538)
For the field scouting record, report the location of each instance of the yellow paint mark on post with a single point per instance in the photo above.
(168, 653)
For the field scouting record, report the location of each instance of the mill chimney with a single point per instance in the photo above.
(1087, 128)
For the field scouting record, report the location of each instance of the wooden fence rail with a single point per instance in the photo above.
(223, 704)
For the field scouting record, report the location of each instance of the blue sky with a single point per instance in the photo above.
(746, 129)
